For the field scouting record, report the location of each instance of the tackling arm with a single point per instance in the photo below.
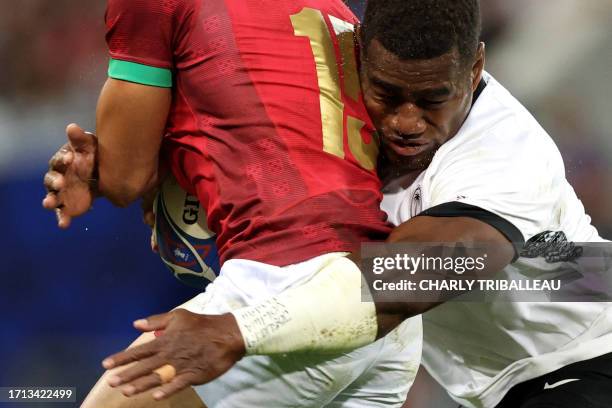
(327, 313)
(461, 231)
(324, 314)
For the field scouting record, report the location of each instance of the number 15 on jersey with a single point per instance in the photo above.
(311, 23)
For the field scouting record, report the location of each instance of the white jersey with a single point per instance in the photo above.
(503, 162)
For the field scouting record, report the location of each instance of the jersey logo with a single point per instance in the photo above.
(552, 246)
(416, 204)
(559, 383)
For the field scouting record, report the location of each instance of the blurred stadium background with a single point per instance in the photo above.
(69, 296)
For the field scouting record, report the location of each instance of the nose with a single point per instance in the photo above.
(407, 120)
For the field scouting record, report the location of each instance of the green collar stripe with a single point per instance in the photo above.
(139, 73)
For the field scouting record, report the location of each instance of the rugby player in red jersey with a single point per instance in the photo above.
(256, 108)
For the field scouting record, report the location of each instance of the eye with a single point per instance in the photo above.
(382, 97)
(385, 98)
(433, 103)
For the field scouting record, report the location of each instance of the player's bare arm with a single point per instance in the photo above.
(306, 306)
(130, 122)
(299, 316)
(462, 232)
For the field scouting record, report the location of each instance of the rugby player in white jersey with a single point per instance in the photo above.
(502, 168)
(468, 163)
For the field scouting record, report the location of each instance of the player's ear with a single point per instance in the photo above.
(359, 46)
(478, 66)
(358, 35)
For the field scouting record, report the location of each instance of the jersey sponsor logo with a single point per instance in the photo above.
(416, 204)
(559, 383)
(554, 247)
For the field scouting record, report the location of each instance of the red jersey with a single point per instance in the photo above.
(267, 125)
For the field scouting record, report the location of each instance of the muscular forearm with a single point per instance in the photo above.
(464, 237)
(123, 192)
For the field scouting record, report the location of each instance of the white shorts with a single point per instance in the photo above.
(377, 375)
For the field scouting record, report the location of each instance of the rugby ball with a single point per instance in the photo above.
(186, 245)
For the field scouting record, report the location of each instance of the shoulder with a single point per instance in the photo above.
(148, 29)
(500, 137)
(145, 7)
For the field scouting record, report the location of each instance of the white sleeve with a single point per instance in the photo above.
(516, 176)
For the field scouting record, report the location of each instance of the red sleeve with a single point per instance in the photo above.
(147, 31)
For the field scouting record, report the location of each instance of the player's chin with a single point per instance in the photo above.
(409, 159)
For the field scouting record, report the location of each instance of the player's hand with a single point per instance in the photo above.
(69, 181)
(199, 347)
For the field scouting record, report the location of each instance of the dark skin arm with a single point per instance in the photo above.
(130, 122)
(209, 359)
(456, 230)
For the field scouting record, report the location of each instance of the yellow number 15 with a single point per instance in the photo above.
(311, 23)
